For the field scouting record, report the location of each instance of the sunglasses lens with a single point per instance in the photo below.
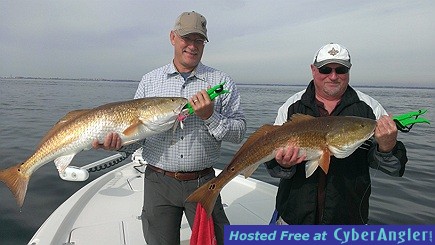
(325, 70)
(341, 70)
(338, 70)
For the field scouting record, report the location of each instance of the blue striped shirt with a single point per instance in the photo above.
(197, 146)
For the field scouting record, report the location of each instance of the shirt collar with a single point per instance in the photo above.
(198, 72)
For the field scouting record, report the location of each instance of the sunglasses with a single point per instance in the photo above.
(338, 70)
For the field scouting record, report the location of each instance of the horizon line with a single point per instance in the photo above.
(240, 83)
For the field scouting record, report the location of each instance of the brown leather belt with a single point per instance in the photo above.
(182, 176)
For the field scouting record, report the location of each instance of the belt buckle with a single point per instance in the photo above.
(176, 176)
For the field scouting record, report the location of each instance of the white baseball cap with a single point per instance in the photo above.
(332, 53)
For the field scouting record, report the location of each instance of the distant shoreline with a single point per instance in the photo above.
(239, 83)
(70, 79)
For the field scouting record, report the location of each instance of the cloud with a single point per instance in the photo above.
(253, 41)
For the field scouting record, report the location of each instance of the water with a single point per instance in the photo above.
(28, 108)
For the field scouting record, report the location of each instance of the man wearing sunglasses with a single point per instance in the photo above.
(342, 195)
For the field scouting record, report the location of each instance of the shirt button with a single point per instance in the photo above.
(182, 137)
(181, 156)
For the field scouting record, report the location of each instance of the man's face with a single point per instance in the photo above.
(188, 50)
(330, 80)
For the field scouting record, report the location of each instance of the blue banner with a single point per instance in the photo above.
(329, 234)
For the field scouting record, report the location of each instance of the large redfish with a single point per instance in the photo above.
(133, 120)
(317, 137)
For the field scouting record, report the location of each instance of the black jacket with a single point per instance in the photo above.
(348, 187)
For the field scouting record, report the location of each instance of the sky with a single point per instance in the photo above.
(390, 42)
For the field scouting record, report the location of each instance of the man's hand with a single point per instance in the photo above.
(288, 156)
(386, 133)
(202, 105)
(112, 142)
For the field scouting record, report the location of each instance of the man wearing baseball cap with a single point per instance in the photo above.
(342, 195)
(179, 161)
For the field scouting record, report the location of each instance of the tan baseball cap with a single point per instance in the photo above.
(332, 53)
(191, 22)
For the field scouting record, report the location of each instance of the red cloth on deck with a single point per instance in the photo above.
(203, 228)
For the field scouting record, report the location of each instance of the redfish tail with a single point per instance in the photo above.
(16, 181)
(207, 195)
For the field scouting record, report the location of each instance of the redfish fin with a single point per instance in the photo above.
(133, 128)
(16, 181)
(300, 118)
(323, 162)
(207, 195)
(63, 162)
(310, 167)
(72, 115)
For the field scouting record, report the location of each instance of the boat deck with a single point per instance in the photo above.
(107, 210)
